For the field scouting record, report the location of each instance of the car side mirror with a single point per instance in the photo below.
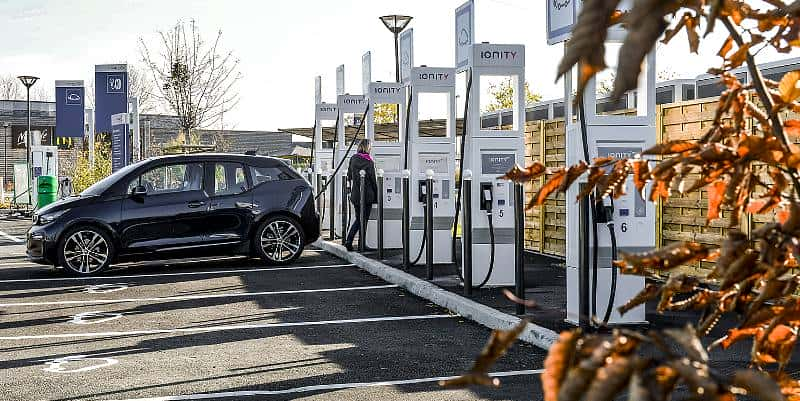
(139, 192)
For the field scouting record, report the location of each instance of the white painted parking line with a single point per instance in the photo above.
(198, 273)
(189, 297)
(11, 238)
(210, 329)
(324, 387)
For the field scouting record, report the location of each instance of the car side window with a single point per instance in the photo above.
(267, 174)
(229, 179)
(170, 178)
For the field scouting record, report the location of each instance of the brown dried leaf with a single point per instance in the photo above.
(788, 87)
(738, 58)
(671, 147)
(557, 363)
(549, 187)
(688, 340)
(522, 175)
(645, 25)
(499, 342)
(596, 174)
(666, 258)
(641, 173)
(650, 292)
(611, 379)
(716, 194)
(573, 172)
(792, 128)
(726, 47)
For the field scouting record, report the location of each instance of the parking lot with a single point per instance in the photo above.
(232, 328)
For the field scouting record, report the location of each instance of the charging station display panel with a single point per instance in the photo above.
(385, 119)
(432, 114)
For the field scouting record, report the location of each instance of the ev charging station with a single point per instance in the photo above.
(632, 219)
(388, 153)
(431, 155)
(323, 157)
(489, 154)
(346, 104)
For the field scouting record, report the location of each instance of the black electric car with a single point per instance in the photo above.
(179, 206)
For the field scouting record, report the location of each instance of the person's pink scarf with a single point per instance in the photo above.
(364, 156)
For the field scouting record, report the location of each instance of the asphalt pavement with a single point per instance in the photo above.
(234, 329)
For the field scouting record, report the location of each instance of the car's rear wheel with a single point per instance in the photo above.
(85, 251)
(279, 240)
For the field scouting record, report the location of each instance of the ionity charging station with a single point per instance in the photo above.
(623, 224)
(489, 154)
(431, 154)
(323, 157)
(350, 109)
(388, 152)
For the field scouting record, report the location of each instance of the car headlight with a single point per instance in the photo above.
(50, 217)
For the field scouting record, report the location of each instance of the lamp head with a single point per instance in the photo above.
(28, 80)
(396, 23)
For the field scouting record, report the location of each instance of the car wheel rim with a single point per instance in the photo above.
(280, 240)
(85, 251)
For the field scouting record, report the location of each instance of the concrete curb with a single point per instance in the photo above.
(482, 314)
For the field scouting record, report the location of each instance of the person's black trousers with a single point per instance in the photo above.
(351, 235)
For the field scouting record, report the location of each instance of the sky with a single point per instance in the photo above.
(283, 45)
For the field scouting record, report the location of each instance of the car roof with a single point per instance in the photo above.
(249, 159)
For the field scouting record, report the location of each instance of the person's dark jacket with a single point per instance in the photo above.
(358, 163)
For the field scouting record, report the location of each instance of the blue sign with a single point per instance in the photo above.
(69, 109)
(120, 156)
(110, 94)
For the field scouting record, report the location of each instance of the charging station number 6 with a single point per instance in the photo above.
(624, 227)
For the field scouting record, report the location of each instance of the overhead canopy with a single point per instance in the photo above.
(383, 132)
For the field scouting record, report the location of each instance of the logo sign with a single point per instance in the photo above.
(340, 80)
(351, 103)
(112, 97)
(621, 152)
(490, 55)
(317, 89)
(41, 136)
(119, 141)
(69, 109)
(386, 92)
(433, 76)
(366, 72)
(433, 161)
(406, 49)
(465, 33)
(326, 111)
(497, 163)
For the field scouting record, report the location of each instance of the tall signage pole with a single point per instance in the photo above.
(136, 145)
(111, 98)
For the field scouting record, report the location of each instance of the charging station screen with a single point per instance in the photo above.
(432, 111)
(385, 117)
(497, 163)
(498, 92)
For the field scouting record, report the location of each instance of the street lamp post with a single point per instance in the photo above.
(29, 81)
(396, 24)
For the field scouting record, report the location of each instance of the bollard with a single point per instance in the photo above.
(331, 208)
(466, 232)
(379, 173)
(583, 261)
(345, 208)
(519, 246)
(406, 218)
(429, 223)
(362, 212)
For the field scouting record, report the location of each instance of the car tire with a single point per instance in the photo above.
(279, 240)
(85, 250)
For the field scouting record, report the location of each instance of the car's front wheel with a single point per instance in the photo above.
(279, 240)
(85, 251)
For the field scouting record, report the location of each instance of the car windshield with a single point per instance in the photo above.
(101, 186)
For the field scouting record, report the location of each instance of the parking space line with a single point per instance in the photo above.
(228, 327)
(11, 238)
(190, 297)
(324, 387)
(199, 273)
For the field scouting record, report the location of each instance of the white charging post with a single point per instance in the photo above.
(490, 153)
(350, 109)
(388, 152)
(323, 156)
(434, 150)
(618, 136)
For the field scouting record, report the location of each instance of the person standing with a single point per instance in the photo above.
(361, 161)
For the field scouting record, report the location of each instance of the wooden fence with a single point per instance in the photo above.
(679, 218)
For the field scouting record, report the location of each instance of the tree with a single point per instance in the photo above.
(743, 169)
(503, 95)
(385, 113)
(194, 79)
(12, 89)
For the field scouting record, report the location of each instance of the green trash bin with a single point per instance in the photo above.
(47, 187)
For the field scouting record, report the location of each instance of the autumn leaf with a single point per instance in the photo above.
(792, 128)
(671, 147)
(716, 193)
(557, 363)
(645, 24)
(758, 385)
(641, 173)
(573, 172)
(788, 87)
(596, 175)
(726, 47)
(549, 187)
(666, 258)
(522, 175)
(738, 58)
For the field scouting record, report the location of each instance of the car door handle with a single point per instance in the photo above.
(245, 205)
(196, 204)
